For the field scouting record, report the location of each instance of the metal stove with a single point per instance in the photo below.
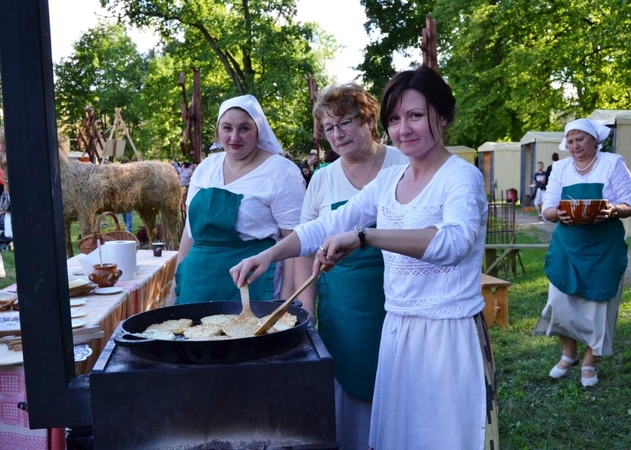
(278, 402)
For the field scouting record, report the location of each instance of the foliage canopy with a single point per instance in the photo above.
(514, 66)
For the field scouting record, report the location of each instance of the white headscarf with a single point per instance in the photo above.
(591, 127)
(266, 138)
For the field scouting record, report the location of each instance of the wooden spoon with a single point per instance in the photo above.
(280, 311)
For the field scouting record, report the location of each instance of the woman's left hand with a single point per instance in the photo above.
(605, 214)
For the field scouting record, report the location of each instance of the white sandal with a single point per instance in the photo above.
(592, 381)
(560, 373)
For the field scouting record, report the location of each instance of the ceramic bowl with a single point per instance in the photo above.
(583, 211)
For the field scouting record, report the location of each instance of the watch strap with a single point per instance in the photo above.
(361, 234)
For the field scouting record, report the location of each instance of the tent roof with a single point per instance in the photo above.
(554, 137)
(493, 146)
(611, 117)
(459, 148)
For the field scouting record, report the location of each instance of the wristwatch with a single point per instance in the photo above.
(361, 234)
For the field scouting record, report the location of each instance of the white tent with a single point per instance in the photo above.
(620, 122)
(500, 165)
(466, 153)
(537, 146)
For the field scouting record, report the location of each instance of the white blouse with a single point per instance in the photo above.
(272, 195)
(330, 185)
(445, 283)
(608, 169)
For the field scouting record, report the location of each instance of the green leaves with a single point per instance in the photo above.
(239, 46)
(515, 66)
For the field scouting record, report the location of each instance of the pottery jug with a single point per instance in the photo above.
(105, 275)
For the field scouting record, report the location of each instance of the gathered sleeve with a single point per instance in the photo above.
(465, 210)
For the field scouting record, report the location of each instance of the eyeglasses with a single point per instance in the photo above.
(343, 124)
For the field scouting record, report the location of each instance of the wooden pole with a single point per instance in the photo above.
(313, 95)
(428, 43)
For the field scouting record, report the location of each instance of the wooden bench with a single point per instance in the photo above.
(495, 293)
(510, 252)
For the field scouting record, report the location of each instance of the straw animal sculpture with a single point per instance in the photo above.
(149, 188)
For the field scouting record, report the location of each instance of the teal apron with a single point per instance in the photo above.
(204, 276)
(587, 259)
(350, 318)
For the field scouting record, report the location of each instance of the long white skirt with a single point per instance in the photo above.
(430, 390)
(592, 323)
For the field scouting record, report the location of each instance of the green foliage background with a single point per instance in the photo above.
(515, 66)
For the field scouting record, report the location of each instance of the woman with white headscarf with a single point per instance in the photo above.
(586, 262)
(240, 202)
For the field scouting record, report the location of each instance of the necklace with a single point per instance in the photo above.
(588, 165)
(357, 182)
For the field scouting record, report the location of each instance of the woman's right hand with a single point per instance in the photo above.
(250, 269)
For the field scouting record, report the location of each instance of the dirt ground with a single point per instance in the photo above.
(528, 219)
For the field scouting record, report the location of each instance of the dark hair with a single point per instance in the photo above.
(436, 91)
(555, 156)
(344, 98)
(186, 164)
(331, 156)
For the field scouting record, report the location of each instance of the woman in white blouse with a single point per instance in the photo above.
(240, 202)
(586, 262)
(434, 386)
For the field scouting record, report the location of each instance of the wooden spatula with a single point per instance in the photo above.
(245, 323)
(278, 312)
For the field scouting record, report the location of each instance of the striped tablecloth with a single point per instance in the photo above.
(148, 290)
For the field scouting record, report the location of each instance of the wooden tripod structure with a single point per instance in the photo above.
(89, 138)
(119, 126)
(192, 117)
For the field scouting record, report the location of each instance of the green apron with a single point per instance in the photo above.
(204, 276)
(587, 259)
(350, 317)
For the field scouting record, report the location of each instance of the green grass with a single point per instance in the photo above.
(535, 412)
(538, 413)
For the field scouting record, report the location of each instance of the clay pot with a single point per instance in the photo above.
(105, 275)
(583, 211)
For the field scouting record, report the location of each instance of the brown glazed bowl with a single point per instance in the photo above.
(583, 211)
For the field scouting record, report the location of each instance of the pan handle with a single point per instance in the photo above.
(131, 340)
(296, 303)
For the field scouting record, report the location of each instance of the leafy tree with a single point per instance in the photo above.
(258, 46)
(105, 71)
(524, 65)
(397, 26)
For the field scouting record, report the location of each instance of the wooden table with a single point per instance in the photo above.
(148, 290)
(495, 293)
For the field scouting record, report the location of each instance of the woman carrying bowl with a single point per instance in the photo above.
(586, 262)
(350, 309)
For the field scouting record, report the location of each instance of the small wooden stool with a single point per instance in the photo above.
(495, 292)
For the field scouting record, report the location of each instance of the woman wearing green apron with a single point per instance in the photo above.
(586, 262)
(350, 307)
(236, 207)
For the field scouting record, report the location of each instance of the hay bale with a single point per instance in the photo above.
(149, 188)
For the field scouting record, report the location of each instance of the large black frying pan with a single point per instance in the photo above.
(209, 352)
